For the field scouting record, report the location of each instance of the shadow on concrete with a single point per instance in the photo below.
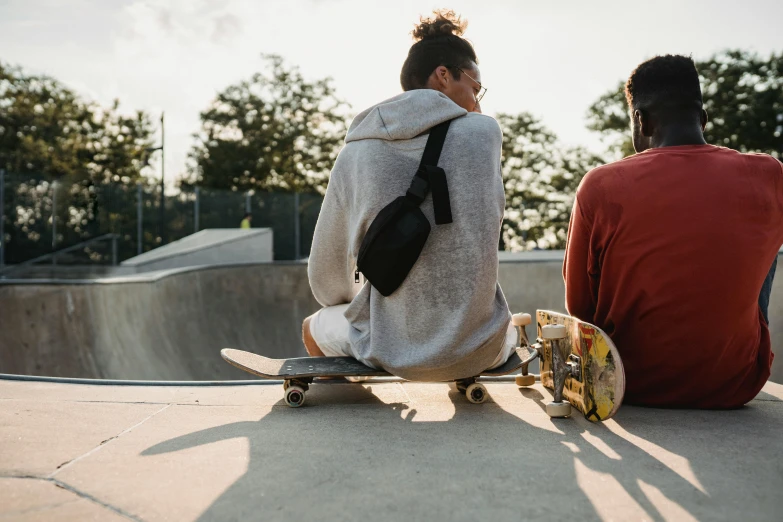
(727, 453)
(356, 457)
(678, 464)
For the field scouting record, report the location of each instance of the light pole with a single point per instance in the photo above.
(162, 206)
(54, 218)
(162, 218)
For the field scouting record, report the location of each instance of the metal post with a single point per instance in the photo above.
(247, 201)
(162, 217)
(2, 217)
(139, 222)
(114, 250)
(196, 211)
(297, 231)
(54, 221)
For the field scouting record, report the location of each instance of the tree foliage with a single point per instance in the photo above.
(49, 134)
(45, 128)
(743, 96)
(276, 130)
(540, 177)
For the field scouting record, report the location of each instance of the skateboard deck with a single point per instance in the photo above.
(310, 367)
(599, 390)
(298, 373)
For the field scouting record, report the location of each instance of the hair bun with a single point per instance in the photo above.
(444, 22)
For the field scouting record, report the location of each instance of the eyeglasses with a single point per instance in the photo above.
(481, 89)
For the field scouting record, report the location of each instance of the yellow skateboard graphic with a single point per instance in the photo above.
(588, 363)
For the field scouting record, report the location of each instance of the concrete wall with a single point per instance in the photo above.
(534, 281)
(171, 325)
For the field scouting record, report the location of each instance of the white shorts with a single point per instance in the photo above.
(329, 329)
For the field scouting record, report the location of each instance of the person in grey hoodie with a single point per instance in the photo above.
(449, 319)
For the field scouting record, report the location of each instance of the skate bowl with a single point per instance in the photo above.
(170, 325)
(167, 325)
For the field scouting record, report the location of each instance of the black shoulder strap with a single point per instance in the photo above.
(431, 176)
(435, 144)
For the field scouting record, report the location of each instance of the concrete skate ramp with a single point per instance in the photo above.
(217, 246)
(165, 325)
(171, 325)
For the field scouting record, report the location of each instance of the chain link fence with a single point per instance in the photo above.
(39, 216)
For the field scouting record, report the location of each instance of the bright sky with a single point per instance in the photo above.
(550, 58)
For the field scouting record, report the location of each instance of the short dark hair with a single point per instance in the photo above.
(438, 42)
(667, 83)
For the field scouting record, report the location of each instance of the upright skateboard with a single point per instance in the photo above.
(580, 364)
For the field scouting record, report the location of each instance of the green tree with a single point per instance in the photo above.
(275, 131)
(743, 96)
(46, 129)
(610, 117)
(540, 177)
(49, 134)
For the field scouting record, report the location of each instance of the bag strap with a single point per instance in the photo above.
(431, 176)
(435, 144)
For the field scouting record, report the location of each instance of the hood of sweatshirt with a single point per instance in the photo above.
(404, 117)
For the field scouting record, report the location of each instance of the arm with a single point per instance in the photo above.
(581, 287)
(330, 267)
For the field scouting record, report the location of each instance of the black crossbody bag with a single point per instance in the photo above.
(397, 235)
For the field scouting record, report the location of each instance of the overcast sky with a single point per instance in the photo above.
(552, 58)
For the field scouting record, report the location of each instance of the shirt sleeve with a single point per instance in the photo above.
(581, 284)
(330, 267)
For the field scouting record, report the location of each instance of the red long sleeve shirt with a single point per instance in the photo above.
(667, 252)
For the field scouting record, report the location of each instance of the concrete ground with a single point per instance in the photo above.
(377, 451)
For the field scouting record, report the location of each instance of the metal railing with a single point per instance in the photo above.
(52, 256)
(39, 214)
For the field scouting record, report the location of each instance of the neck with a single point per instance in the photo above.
(675, 135)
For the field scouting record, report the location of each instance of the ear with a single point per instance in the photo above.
(643, 120)
(704, 119)
(441, 77)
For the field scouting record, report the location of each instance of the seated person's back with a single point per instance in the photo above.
(668, 250)
(449, 318)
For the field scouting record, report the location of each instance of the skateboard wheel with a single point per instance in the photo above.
(553, 331)
(558, 409)
(476, 393)
(521, 319)
(525, 380)
(294, 396)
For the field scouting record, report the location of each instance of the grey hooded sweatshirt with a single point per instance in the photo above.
(448, 320)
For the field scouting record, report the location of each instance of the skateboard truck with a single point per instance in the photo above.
(560, 369)
(575, 365)
(476, 392)
(520, 321)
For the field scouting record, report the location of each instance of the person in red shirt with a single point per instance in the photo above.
(669, 250)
